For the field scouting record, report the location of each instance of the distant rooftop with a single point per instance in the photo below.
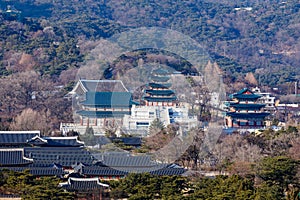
(83, 184)
(108, 99)
(8, 138)
(99, 86)
(244, 94)
(13, 157)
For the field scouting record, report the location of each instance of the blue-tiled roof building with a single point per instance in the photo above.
(244, 112)
(101, 104)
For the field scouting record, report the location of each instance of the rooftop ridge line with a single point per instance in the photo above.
(14, 149)
(16, 132)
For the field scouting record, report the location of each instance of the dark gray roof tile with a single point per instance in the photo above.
(83, 184)
(8, 138)
(65, 156)
(38, 171)
(13, 157)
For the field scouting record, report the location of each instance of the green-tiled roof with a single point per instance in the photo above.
(102, 114)
(249, 106)
(245, 94)
(242, 91)
(160, 78)
(157, 99)
(160, 92)
(158, 85)
(108, 99)
(160, 71)
(247, 115)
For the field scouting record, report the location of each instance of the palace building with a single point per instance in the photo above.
(244, 111)
(68, 159)
(107, 104)
(158, 92)
(100, 104)
(66, 156)
(160, 102)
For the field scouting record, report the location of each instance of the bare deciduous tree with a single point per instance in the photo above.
(30, 120)
(28, 89)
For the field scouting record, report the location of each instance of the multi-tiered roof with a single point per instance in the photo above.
(244, 111)
(158, 91)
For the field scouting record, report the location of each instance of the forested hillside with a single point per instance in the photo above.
(253, 42)
(258, 37)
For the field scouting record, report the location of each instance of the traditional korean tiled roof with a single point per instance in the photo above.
(65, 156)
(245, 94)
(127, 161)
(160, 71)
(83, 184)
(103, 114)
(100, 85)
(108, 99)
(247, 115)
(158, 99)
(13, 157)
(130, 141)
(168, 171)
(38, 171)
(63, 141)
(37, 141)
(102, 171)
(160, 85)
(160, 79)
(56, 141)
(16, 138)
(158, 169)
(134, 164)
(104, 85)
(160, 92)
(248, 106)
(141, 169)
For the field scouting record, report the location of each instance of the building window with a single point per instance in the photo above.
(151, 114)
(142, 123)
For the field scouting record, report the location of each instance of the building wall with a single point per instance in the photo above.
(142, 116)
